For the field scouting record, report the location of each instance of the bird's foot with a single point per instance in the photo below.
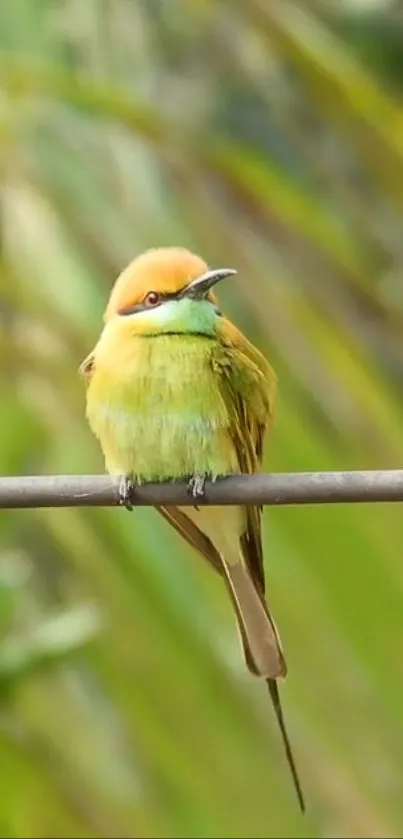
(126, 491)
(196, 487)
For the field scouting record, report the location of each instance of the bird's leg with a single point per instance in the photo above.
(126, 490)
(196, 487)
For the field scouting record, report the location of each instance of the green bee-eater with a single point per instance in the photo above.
(175, 391)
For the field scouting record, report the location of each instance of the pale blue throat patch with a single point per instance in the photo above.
(197, 316)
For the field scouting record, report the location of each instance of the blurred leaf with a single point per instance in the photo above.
(46, 644)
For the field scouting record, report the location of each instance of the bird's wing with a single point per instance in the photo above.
(248, 385)
(197, 540)
(191, 533)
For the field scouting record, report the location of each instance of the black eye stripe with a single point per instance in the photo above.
(142, 307)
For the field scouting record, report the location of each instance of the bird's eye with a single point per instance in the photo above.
(153, 298)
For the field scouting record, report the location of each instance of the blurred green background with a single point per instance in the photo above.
(267, 136)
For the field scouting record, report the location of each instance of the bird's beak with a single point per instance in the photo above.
(198, 288)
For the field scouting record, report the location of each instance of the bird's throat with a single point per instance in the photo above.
(177, 317)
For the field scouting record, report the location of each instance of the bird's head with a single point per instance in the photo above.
(166, 290)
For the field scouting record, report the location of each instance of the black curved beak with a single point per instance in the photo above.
(198, 288)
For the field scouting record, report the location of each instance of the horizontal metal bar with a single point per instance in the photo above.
(272, 489)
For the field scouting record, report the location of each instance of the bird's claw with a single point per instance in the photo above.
(196, 487)
(126, 489)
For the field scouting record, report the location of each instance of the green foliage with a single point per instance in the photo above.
(251, 133)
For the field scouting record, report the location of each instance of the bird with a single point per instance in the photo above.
(175, 391)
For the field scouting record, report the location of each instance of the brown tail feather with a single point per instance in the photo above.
(272, 686)
(262, 649)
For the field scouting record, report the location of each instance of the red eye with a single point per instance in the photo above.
(153, 298)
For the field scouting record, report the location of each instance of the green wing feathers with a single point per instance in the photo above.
(249, 387)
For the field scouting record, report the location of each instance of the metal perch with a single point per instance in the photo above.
(272, 489)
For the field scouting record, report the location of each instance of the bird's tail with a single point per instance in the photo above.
(275, 698)
(261, 646)
(260, 640)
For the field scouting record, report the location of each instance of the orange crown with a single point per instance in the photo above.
(165, 270)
